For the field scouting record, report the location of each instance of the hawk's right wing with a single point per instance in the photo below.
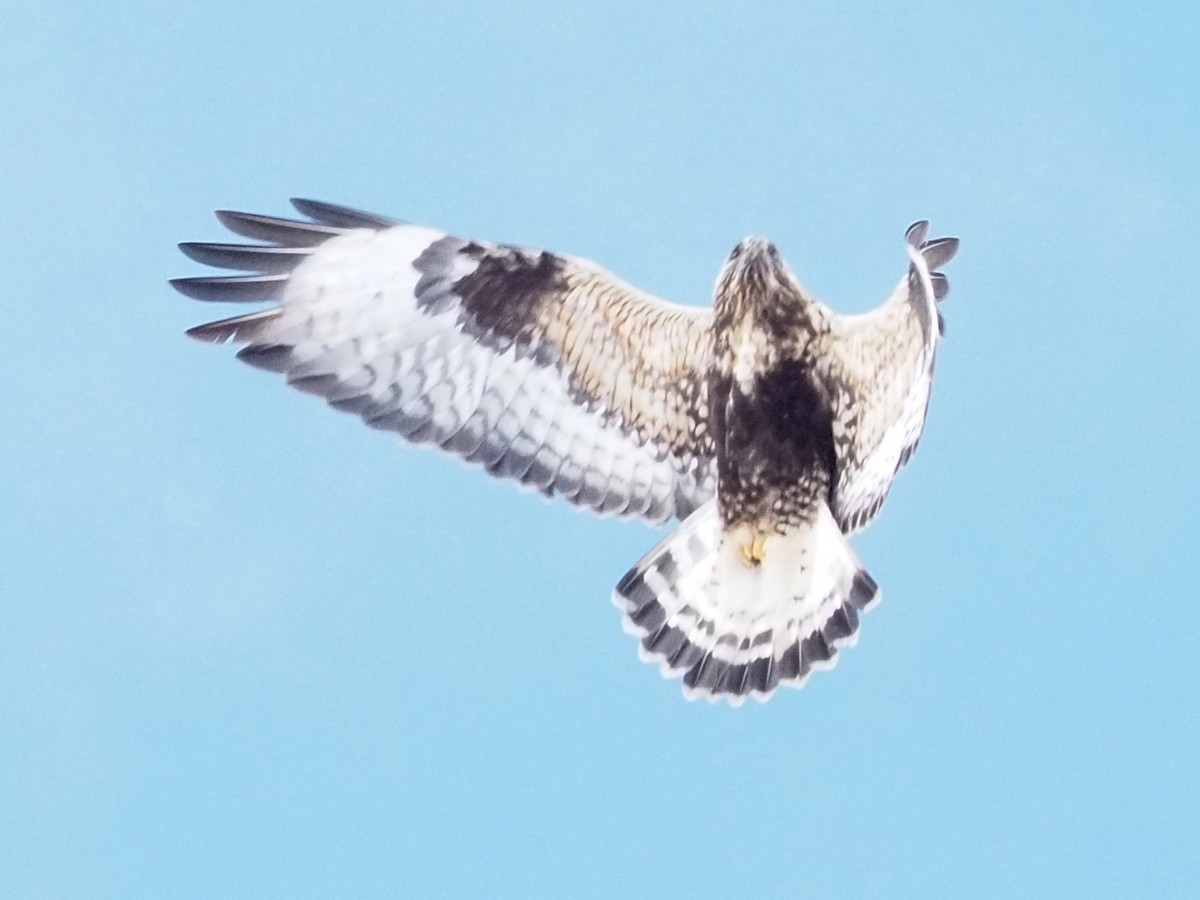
(540, 368)
(885, 361)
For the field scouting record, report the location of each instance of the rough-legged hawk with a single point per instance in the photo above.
(770, 425)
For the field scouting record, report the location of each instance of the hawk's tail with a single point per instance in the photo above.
(733, 630)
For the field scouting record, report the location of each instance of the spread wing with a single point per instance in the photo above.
(885, 362)
(540, 368)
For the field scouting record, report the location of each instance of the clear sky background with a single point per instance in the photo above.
(249, 648)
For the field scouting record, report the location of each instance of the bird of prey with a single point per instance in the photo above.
(771, 426)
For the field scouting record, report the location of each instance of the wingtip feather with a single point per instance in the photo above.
(231, 288)
(340, 216)
(915, 235)
(238, 329)
(939, 251)
(277, 230)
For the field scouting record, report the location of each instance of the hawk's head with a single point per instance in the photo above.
(755, 281)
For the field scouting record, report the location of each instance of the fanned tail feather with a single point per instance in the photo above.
(731, 631)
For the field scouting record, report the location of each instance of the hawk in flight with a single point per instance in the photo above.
(770, 425)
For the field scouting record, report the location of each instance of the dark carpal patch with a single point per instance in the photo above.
(501, 298)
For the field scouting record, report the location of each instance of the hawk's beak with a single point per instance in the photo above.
(755, 245)
(756, 257)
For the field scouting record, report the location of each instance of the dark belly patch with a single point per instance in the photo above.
(774, 442)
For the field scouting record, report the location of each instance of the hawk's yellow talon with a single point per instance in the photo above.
(754, 554)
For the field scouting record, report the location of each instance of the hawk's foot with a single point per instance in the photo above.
(753, 553)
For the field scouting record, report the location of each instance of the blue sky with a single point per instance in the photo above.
(250, 648)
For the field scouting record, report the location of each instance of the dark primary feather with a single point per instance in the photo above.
(274, 230)
(236, 328)
(916, 233)
(266, 260)
(292, 242)
(939, 252)
(231, 288)
(341, 216)
(941, 285)
(936, 253)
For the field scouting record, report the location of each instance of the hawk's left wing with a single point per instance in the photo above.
(541, 368)
(885, 361)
